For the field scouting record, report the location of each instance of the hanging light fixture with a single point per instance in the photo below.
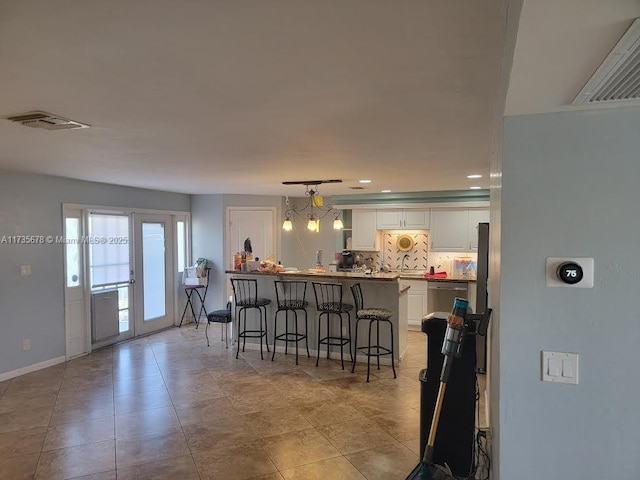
(314, 209)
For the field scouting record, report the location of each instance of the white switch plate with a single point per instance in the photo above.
(25, 270)
(26, 344)
(552, 264)
(560, 367)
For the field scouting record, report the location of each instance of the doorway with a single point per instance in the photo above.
(121, 274)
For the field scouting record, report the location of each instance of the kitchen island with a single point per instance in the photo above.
(379, 290)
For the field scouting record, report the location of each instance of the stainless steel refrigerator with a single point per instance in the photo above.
(482, 297)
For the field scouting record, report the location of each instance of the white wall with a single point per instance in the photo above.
(33, 307)
(569, 188)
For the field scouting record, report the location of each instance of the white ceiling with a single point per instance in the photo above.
(560, 45)
(238, 96)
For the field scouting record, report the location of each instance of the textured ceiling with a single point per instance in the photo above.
(238, 96)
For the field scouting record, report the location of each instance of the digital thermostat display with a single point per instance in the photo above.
(570, 272)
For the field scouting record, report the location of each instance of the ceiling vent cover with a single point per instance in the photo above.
(618, 78)
(45, 120)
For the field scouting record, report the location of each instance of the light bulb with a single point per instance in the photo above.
(312, 224)
(337, 224)
(287, 226)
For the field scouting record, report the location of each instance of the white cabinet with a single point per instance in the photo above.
(476, 216)
(449, 230)
(456, 229)
(363, 233)
(417, 302)
(416, 219)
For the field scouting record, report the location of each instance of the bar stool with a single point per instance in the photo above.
(290, 297)
(329, 302)
(373, 315)
(245, 292)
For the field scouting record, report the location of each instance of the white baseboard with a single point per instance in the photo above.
(31, 368)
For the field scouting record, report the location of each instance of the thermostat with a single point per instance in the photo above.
(569, 272)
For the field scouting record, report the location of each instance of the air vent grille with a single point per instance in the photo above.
(618, 78)
(46, 121)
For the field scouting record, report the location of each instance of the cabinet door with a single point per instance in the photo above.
(476, 216)
(364, 234)
(449, 230)
(417, 301)
(388, 219)
(416, 219)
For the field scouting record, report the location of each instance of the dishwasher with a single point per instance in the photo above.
(440, 295)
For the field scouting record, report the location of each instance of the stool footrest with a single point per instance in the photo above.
(376, 350)
(290, 337)
(251, 334)
(334, 341)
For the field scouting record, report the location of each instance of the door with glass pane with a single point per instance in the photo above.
(74, 301)
(153, 272)
(109, 258)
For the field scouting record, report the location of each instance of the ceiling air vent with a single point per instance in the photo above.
(45, 120)
(618, 78)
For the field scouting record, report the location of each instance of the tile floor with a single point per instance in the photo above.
(168, 407)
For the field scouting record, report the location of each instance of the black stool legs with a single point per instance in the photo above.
(330, 340)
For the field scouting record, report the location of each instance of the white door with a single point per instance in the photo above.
(255, 224)
(153, 272)
(74, 301)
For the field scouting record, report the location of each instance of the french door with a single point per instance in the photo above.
(121, 274)
(153, 272)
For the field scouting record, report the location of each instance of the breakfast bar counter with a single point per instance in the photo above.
(381, 290)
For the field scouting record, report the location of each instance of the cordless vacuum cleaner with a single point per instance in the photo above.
(451, 348)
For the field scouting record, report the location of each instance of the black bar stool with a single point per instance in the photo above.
(373, 315)
(290, 297)
(329, 302)
(245, 292)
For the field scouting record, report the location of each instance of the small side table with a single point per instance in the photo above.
(189, 290)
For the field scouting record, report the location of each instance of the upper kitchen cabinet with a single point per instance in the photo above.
(456, 229)
(476, 216)
(449, 230)
(414, 219)
(364, 235)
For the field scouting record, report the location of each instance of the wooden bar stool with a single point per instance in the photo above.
(245, 292)
(329, 302)
(290, 297)
(377, 316)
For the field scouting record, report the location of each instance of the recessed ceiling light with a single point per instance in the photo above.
(475, 188)
(364, 181)
(474, 176)
(385, 191)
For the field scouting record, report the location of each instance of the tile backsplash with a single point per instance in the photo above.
(419, 257)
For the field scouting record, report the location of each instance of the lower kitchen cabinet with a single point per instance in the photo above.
(417, 302)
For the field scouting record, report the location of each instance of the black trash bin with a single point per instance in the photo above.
(455, 435)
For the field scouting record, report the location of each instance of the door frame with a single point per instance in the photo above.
(85, 209)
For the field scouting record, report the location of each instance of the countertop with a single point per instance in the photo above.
(325, 274)
(452, 278)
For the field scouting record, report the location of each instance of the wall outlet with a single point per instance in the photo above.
(26, 344)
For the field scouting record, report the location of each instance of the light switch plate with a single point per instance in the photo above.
(25, 270)
(552, 264)
(560, 367)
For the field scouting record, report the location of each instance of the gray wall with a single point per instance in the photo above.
(569, 188)
(33, 307)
